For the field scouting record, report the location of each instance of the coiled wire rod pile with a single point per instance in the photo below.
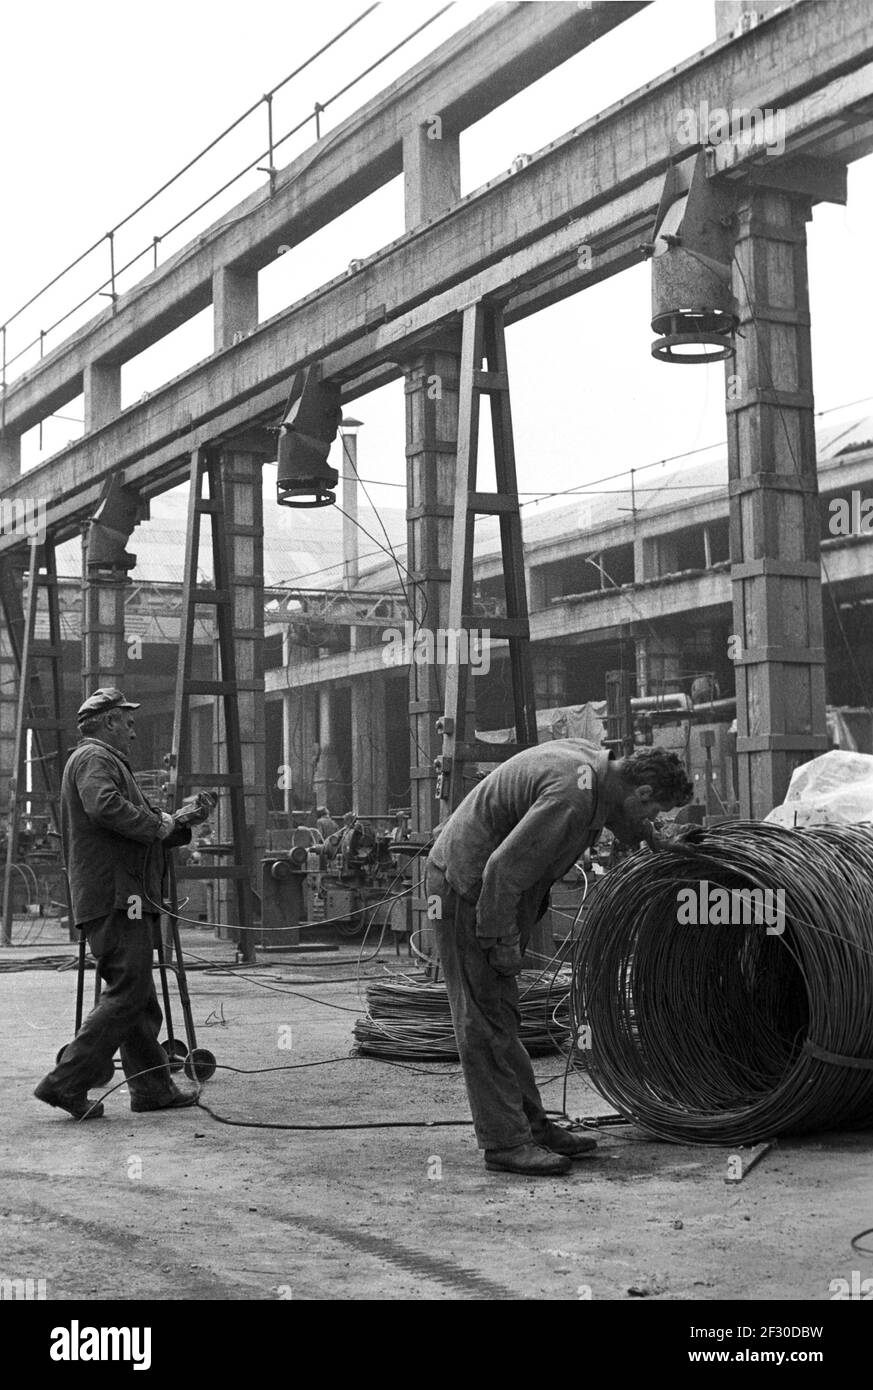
(409, 1018)
(731, 1034)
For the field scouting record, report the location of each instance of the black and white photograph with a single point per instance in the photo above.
(436, 728)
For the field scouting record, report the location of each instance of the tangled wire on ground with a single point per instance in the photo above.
(734, 1033)
(412, 1019)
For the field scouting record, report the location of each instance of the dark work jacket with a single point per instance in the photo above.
(110, 834)
(520, 830)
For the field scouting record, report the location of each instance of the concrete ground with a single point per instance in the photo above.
(179, 1206)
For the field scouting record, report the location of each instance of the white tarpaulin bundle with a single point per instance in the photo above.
(835, 789)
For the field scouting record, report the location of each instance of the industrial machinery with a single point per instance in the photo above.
(355, 878)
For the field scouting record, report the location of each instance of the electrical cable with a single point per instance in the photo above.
(855, 1242)
(371, 1124)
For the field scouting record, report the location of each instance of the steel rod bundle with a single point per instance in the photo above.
(730, 1032)
(412, 1019)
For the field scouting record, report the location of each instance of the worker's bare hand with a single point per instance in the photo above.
(504, 956)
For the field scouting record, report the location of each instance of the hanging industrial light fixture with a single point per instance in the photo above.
(693, 308)
(110, 528)
(308, 430)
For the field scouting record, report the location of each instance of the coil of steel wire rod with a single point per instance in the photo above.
(411, 1019)
(733, 1031)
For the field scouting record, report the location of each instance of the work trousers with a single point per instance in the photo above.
(126, 1016)
(506, 1105)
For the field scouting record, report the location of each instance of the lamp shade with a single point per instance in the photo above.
(692, 301)
(304, 478)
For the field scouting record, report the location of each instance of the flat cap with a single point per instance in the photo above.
(107, 697)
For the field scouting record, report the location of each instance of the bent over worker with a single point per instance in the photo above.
(490, 871)
(114, 843)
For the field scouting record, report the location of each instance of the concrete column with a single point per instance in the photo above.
(300, 728)
(104, 646)
(234, 305)
(774, 513)
(245, 509)
(8, 703)
(327, 783)
(369, 746)
(431, 453)
(431, 171)
(325, 711)
(536, 589)
(241, 478)
(431, 458)
(10, 458)
(102, 390)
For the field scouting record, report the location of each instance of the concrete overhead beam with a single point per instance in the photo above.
(490, 60)
(150, 442)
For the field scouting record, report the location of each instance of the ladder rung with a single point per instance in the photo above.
(216, 597)
(491, 503)
(38, 722)
(45, 649)
(210, 687)
(211, 871)
(207, 504)
(497, 627)
(490, 381)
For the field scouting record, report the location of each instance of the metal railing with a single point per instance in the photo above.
(108, 287)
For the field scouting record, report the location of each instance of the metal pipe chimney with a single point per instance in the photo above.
(349, 473)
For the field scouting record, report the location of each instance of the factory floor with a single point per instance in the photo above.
(179, 1206)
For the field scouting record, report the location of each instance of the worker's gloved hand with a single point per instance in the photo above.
(167, 826)
(689, 834)
(196, 809)
(503, 954)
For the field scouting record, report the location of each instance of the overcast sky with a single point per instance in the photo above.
(102, 102)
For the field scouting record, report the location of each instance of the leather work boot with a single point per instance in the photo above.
(530, 1159)
(564, 1141)
(80, 1107)
(177, 1100)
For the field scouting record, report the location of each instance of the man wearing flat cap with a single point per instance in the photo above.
(114, 843)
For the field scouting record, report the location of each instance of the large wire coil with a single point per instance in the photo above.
(732, 1033)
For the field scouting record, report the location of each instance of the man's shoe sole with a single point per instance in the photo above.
(177, 1103)
(588, 1152)
(530, 1170)
(88, 1112)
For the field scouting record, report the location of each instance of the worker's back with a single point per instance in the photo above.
(566, 770)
